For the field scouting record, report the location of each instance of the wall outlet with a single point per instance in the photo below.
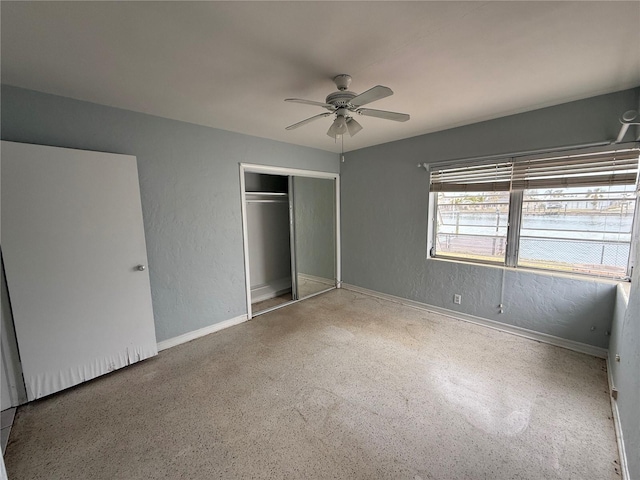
(457, 299)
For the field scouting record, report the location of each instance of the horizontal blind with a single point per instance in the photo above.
(493, 177)
(617, 167)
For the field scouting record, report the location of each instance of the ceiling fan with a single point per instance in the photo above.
(343, 103)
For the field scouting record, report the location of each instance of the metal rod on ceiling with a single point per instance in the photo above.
(623, 131)
(630, 117)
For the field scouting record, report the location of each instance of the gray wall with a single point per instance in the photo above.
(269, 239)
(314, 206)
(625, 341)
(384, 223)
(190, 187)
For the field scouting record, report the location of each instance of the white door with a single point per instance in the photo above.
(72, 241)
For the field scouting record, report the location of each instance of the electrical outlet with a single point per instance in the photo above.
(457, 299)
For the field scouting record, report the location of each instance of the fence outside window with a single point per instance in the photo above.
(572, 213)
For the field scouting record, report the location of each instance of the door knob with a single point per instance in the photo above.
(140, 268)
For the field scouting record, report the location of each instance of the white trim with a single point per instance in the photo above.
(275, 307)
(187, 337)
(503, 327)
(315, 294)
(548, 273)
(269, 290)
(292, 240)
(622, 451)
(286, 171)
(338, 241)
(245, 242)
(431, 222)
(313, 278)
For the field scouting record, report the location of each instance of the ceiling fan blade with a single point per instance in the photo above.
(353, 126)
(308, 120)
(371, 95)
(396, 117)
(310, 102)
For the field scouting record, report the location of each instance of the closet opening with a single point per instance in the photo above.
(291, 228)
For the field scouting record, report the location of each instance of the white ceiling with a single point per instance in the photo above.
(230, 65)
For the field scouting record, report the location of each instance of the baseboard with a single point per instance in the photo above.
(187, 337)
(313, 278)
(270, 290)
(503, 327)
(622, 451)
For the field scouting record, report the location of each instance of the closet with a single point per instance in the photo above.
(290, 226)
(269, 238)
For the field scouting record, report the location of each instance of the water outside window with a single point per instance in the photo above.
(472, 225)
(579, 230)
(574, 230)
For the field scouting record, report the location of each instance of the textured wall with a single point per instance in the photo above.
(190, 187)
(314, 206)
(384, 223)
(269, 242)
(625, 341)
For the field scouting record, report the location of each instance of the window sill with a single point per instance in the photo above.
(549, 273)
(625, 290)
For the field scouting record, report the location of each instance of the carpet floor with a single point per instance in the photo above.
(341, 386)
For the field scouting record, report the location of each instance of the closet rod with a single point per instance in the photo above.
(268, 194)
(268, 201)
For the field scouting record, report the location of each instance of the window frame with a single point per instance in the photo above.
(433, 200)
(514, 223)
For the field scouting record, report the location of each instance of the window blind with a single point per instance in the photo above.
(494, 177)
(617, 167)
(614, 167)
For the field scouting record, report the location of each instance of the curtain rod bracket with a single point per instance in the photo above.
(630, 117)
(424, 165)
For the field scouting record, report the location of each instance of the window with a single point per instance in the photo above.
(579, 230)
(472, 225)
(572, 213)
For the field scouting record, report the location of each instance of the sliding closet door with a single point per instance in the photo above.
(315, 235)
(75, 260)
(292, 241)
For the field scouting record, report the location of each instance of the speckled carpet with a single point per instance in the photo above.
(341, 386)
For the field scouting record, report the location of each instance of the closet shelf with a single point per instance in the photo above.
(284, 202)
(268, 194)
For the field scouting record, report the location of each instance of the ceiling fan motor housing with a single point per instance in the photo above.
(340, 98)
(342, 81)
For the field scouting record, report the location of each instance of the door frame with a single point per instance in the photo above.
(292, 240)
(285, 171)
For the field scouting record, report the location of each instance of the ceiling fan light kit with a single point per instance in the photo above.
(338, 127)
(343, 103)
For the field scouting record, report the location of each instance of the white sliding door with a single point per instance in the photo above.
(72, 241)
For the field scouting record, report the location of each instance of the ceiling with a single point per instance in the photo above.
(230, 65)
